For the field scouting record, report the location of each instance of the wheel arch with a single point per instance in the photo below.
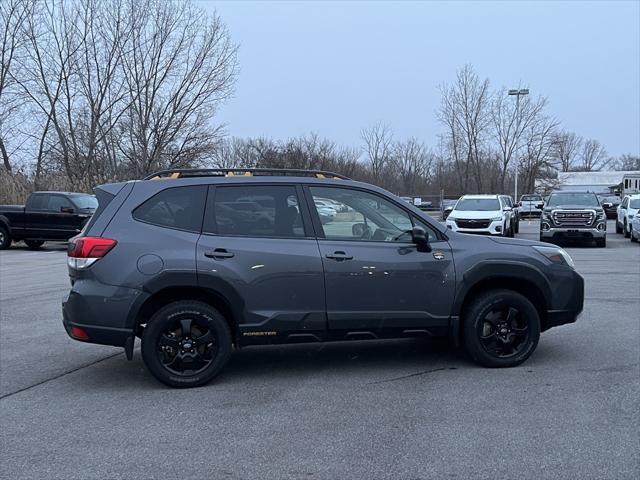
(164, 296)
(518, 277)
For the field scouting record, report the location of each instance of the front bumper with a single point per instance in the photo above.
(494, 228)
(573, 233)
(568, 299)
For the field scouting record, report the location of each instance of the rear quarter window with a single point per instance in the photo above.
(179, 208)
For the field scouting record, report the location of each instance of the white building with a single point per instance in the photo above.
(597, 182)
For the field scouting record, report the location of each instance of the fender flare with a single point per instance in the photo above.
(497, 270)
(4, 221)
(171, 279)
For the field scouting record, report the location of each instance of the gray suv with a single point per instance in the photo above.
(196, 262)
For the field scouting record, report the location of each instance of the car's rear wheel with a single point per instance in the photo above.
(186, 344)
(517, 229)
(34, 244)
(5, 238)
(501, 328)
(633, 237)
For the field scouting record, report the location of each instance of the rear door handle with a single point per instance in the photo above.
(339, 256)
(218, 254)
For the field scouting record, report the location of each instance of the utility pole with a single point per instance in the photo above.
(518, 93)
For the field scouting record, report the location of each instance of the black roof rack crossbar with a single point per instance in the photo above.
(230, 172)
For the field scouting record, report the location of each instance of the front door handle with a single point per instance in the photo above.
(339, 256)
(218, 254)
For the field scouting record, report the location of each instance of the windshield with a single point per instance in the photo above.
(531, 198)
(635, 203)
(85, 201)
(609, 199)
(583, 199)
(478, 204)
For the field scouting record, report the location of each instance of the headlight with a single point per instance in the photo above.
(453, 219)
(496, 219)
(599, 215)
(546, 215)
(556, 255)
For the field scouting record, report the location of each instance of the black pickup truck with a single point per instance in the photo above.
(46, 216)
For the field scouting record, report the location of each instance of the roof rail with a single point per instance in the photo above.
(247, 172)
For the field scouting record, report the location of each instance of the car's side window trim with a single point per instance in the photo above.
(210, 228)
(317, 224)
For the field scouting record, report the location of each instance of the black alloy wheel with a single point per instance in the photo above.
(186, 343)
(501, 328)
(504, 332)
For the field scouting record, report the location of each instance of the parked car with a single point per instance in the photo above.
(635, 228)
(573, 216)
(481, 214)
(46, 216)
(447, 207)
(515, 213)
(610, 204)
(197, 283)
(626, 212)
(531, 205)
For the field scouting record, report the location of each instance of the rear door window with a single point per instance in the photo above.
(57, 202)
(180, 208)
(254, 211)
(38, 201)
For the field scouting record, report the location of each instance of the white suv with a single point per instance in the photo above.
(627, 210)
(484, 214)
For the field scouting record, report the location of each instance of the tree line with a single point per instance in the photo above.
(93, 91)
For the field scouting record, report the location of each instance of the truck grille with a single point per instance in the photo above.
(571, 218)
(473, 223)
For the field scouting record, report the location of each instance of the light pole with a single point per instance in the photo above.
(518, 92)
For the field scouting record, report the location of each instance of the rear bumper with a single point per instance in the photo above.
(101, 311)
(116, 337)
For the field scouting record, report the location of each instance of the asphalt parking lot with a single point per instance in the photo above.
(393, 409)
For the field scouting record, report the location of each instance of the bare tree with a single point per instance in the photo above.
(567, 146)
(593, 157)
(180, 64)
(538, 155)
(465, 112)
(412, 161)
(378, 142)
(13, 15)
(510, 120)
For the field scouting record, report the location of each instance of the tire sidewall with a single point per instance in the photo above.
(6, 243)
(165, 317)
(475, 315)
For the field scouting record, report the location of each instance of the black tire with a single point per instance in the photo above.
(501, 328)
(517, 229)
(165, 350)
(34, 244)
(618, 227)
(633, 239)
(627, 234)
(5, 238)
(601, 242)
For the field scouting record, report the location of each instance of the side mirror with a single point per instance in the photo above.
(420, 238)
(67, 210)
(607, 205)
(360, 230)
(540, 205)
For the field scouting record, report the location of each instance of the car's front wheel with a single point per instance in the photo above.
(625, 229)
(501, 328)
(618, 227)
(601, 242)
(186, 344)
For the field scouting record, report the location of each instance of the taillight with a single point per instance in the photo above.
(85, 251)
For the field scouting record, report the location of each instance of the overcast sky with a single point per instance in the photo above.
(334, 68)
